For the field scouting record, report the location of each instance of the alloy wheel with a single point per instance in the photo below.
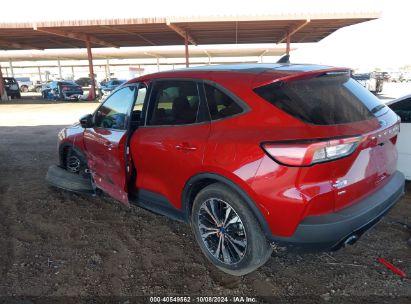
(222, 231)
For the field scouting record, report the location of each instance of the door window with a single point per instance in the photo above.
(113, 113)
(138, 106)
(173, 102)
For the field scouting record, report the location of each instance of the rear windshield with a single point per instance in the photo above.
(325, 100)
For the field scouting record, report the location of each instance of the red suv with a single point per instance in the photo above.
(249, 155)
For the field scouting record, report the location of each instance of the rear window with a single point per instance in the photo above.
(326, 100)
(220, 104)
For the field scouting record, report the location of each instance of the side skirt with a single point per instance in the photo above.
(156, 203)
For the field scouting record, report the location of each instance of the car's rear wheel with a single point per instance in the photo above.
(227, 231)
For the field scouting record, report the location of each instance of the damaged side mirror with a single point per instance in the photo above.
(86, 121)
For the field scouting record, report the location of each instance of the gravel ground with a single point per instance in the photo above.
(60, 245)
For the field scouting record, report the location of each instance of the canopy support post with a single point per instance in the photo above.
(186, 50)
(39, 71)
(92, 92)
(59, 65)
(287, 50)
(3, 93)
(11, 68)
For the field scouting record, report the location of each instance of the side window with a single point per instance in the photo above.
(112, 114)
(138, 106)
(403, 110)
(220, 104)
(173, 102)
(141, 96)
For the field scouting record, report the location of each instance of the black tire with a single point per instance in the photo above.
(245, 244)
(60, 178)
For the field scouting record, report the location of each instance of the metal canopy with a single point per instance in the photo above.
(141, 53)
(173, 31)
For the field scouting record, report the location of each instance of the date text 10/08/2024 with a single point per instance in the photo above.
(233, 299)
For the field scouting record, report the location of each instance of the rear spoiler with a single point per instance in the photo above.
(266, 78)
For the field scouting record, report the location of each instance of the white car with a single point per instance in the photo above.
(402, 106)
(369, 81)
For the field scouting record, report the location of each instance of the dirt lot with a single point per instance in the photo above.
(58, 244)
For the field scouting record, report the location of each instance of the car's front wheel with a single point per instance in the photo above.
(73, 162)
(227, 231)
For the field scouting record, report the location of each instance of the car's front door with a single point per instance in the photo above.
(169, 149)
(106, 143)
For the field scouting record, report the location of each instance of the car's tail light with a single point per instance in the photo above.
(394, 139)
(296, 153)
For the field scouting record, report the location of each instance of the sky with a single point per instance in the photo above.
(382, 43)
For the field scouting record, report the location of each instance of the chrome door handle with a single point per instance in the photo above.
(186, 148)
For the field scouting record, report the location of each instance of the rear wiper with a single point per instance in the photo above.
(377, 108)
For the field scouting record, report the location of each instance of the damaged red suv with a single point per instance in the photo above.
(250, 155)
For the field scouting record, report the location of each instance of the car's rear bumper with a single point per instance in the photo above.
(333, 230)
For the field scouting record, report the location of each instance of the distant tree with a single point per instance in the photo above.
(377, 69)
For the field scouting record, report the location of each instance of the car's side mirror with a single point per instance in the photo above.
(86, 121)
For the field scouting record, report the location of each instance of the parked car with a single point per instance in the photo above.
(406, 77)
(370, 81)
(109, 86)
(24, 83)
(86, 82)
(300, 156)
(402, 106)
(83, 81)
(12, 87)
(61, 90)
(37, 86)
(396, 76)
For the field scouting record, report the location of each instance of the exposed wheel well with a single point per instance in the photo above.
(63, 155)
(197, 183)
(192, 192)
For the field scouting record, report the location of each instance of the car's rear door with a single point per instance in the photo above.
(106, 143)
(169, 149)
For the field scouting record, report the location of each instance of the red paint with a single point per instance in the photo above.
(391, 267)
(165, 157)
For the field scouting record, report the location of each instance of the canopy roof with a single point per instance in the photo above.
(173, 31)
(142, 53)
